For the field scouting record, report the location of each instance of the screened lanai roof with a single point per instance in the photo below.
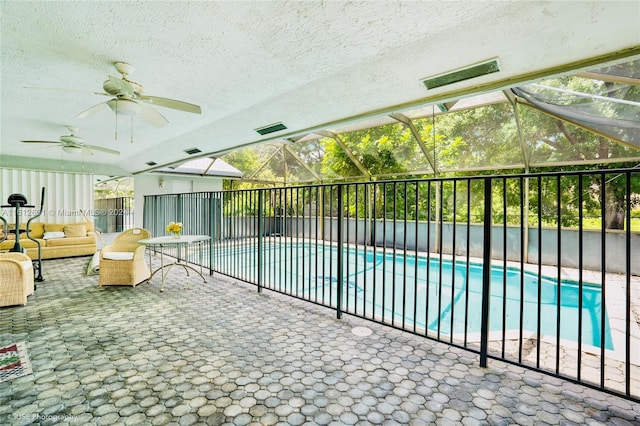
(204, 167)
(586, 118)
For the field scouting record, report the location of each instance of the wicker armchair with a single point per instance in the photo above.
(122, 262)
(16, 279)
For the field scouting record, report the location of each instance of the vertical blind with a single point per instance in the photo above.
(67, 195)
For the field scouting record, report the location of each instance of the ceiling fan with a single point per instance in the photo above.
(74, 144)
(129, 99)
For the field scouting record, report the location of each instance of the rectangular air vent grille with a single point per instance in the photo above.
(462, 74)
(192, 151)
(151, 163)
(271, 128)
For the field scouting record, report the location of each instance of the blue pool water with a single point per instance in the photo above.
(395, 288)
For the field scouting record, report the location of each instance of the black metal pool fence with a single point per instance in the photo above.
(553, 226)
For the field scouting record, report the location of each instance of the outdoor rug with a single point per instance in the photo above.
(14, 362)
(94, 264)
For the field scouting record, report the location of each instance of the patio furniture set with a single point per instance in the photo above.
(121, 263)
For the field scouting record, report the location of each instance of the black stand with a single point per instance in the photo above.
(5, 229)
(19, 201)
(37, 267)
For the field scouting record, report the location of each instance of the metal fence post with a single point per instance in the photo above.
(213, 217)
(486, 274)
(260, 237)
(340, 258)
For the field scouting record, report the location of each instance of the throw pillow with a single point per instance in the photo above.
(52, 235)
(72, 231)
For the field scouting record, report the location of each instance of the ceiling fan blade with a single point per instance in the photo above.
(94, 109)
(41, 142)
(152, 116)
(67, 90)
(99, 148)
(85, 150)
(172, 103)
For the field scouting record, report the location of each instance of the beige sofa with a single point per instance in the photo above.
(56, 239)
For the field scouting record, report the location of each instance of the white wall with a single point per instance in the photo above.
(149, 184)
(66, 194)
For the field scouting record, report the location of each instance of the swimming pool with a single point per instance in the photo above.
(394, 288)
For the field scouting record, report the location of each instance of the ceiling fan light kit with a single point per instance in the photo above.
(124, 106)
(74, 150)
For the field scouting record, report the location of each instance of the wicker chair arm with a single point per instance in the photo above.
(20, 257)
(11, 270)
(139, 252)
(106, 249)
(13, 283)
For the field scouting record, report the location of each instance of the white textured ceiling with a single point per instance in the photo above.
(307, 64)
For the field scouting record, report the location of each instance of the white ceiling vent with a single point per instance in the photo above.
(472, 71)
(272, 128)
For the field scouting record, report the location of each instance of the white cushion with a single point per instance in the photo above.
(52, 235)
(118, 255)
(26, 264)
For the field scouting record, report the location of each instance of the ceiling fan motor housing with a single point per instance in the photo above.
(72, 139)
(122, 87)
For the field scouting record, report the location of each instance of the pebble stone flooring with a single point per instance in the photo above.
(222, 353)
